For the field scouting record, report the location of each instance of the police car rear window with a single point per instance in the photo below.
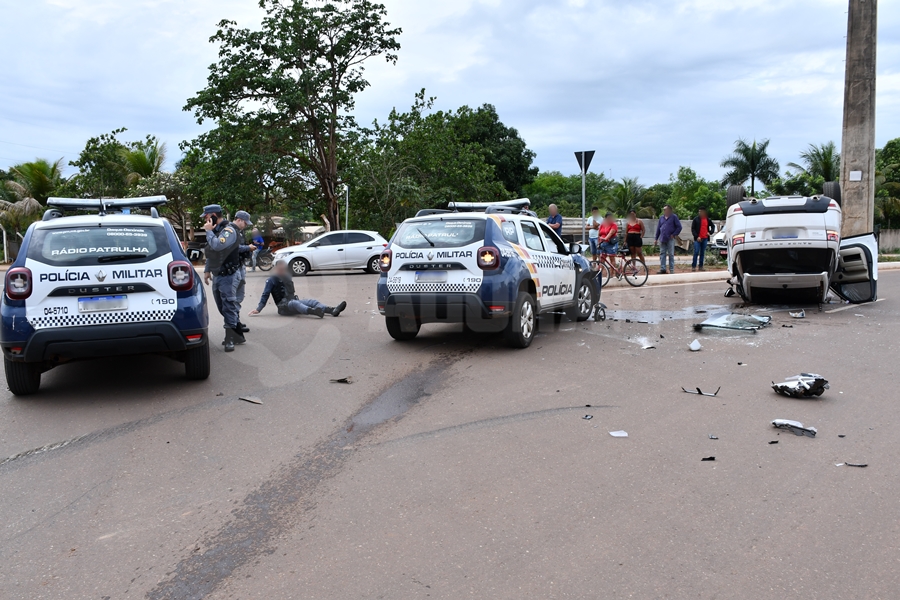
(83, 246)
(451, 233)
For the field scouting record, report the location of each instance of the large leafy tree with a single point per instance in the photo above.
(552, 187)
(689, 192)
(501, 146)
(101, 169)
(889, 155)
(750, 161)
(821, 160)
(625, 196)
(296, 78)
(36, 179)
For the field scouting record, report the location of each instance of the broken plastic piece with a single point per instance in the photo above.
(251, 399)
(708, 459)
(861, 465)
(804, 385)
(619, 434)
(795, 427)
(648, 347)
(788, 326)
(734, 322)
(713, 437)
(347, 380)
(701, 392)
(587, 417)
(773, 442)
(798, 315)
(695, 346)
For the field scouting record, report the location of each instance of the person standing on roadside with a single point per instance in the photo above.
(634, 236)
(668, 228)
(702, 228)
(593, 228)
(258, 242)
(555, 219)
(224, 270)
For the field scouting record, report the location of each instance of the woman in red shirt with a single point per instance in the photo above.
(634, 236)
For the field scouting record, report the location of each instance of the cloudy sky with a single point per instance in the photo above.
(649, 85)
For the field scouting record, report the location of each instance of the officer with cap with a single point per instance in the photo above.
(224, 266)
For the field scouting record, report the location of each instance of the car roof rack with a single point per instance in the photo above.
(433, 211)
(520, 204)
(508, 210)
(102, 205)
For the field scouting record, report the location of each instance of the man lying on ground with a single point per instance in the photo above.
(281, 287)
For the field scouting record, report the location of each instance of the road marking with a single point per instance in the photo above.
(849, 306)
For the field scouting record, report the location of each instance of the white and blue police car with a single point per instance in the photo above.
(98, 285)
(493, 266)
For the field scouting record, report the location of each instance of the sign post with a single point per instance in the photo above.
(584, 161)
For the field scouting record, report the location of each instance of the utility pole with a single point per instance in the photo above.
(584, 161)
(858, 143)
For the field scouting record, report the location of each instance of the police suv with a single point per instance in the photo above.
(494, 267)
(100, 285)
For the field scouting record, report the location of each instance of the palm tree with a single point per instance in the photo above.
(35, 179)
(750, 161)
(143, 159)
(17, 216)
(625, 196)
(821, 161)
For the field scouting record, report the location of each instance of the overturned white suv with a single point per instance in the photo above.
(793, 244)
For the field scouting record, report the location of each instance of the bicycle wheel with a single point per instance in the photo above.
(636, 272)
(265, 262)
(604, 275)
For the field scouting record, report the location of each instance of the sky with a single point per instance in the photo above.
(649, 85)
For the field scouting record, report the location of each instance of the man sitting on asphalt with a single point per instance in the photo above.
(281, 287)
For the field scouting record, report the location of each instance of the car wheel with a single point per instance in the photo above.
(196, 363)
(522, 324)
(735, 195)
(299, 267)
(583, 307)
(832, 190)
(23, 379)
(402, 330)
(374, 265)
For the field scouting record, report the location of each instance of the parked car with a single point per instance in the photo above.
(100, 285)
(335, 251)
(494, 267)
(794, 243)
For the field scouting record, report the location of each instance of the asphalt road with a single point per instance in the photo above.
(454, 467)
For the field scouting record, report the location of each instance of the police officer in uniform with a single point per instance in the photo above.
(224, 266)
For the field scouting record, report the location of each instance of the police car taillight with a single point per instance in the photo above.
(18, 283)
(488, 258)
(181, 275)
(385, 261)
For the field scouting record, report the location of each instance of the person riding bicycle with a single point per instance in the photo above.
(609, 240)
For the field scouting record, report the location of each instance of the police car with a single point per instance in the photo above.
(494, 267)
(100, 285)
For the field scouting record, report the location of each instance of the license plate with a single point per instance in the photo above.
(431, 276)
(102, 303)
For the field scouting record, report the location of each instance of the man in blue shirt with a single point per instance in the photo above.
(668, 228)
(281, 287)
(258, 241)
(555, 219)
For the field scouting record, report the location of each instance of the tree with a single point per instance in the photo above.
(889, 155)
(800, 184)
(182, 208)
(295, 79)
(552, 187)
(625, 196)
(820, 161)
(143, 159)
(749, 161)
(35, 179)
(689, 192)
(101, 169)
(501, 146)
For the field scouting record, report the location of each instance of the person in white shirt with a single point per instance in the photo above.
(593, 228)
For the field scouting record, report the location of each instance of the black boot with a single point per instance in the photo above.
(238, 336)
(243, 328)
(337, 310)
(317, 311)
(229, 340)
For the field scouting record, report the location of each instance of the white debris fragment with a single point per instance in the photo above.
(695, 346)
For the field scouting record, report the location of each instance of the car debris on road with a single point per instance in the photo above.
(701, 392)
(347, 380)
(795, 427)
(804, 385)
(734, 322)
(695, 346)
(251, 399)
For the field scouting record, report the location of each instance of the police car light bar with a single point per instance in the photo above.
(104, 204)
(520, 204)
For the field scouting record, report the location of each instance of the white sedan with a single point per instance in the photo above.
(336, 250)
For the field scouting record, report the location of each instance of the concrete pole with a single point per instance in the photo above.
(858, 143)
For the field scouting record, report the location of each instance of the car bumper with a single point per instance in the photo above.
(60, 345)
(786, 281)
(442, 308)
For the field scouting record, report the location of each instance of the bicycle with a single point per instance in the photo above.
(634, 270)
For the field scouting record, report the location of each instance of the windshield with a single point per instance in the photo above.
(452, 233)
(84, 246)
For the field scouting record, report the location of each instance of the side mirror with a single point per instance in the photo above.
(316, 245)
(574, 248)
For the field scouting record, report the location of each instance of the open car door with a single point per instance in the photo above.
(856, 278)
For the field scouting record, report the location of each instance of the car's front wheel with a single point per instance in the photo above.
(299, 267)
(522, 324)
(196, 363)
(22, 378)
(583, 307)
(402, 330)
